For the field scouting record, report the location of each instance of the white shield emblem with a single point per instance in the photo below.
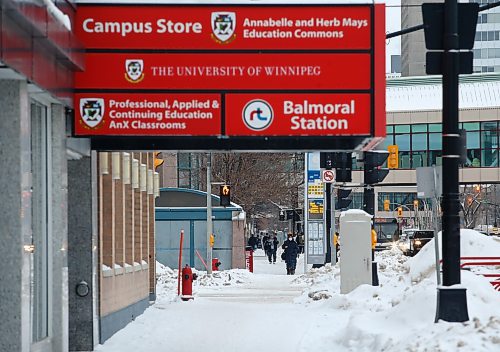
(134, 70)
(223, 25)
(92, 111)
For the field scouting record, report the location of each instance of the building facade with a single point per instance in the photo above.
(38, 56)
(414, 124)
(486, 46)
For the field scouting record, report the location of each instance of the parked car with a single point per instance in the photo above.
(412, 240)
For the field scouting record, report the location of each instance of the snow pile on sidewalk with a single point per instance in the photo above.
(399, 314)
(166, 283)
(222, 278)
(166, 280)
(472, 244)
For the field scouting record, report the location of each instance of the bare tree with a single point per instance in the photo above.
(260, 181)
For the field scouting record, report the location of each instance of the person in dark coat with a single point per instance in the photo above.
(291, 251)
(272, 247)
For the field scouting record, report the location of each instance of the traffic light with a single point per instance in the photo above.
(225, 195)
(342, 201)
(393, 159)
(343, 167)
(387, 205)
(326, 160)
(400, 212)
(157, 161)
(415, 204)
(373, 171)
(212, 240)
(282, 216)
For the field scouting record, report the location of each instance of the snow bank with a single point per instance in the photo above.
(166, 281)
(472, 244)
(399, 314)
(222, 278)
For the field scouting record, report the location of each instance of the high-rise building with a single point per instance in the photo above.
(413, 44)
(486, 45)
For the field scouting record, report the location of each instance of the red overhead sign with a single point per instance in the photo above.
(242, 77)
(148, 114)
(225, 71)
(298, 114)
(168, 27)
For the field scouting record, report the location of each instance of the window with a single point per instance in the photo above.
(188, 170)
(41, 224)
(421, 148)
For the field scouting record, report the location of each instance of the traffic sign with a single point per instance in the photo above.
(328, 176)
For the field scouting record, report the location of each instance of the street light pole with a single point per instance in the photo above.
(209, 213)
(451, 303)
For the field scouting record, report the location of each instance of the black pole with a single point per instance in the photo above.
(451, 303)
(328, 210)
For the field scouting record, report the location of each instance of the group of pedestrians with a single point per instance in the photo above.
(270, 244)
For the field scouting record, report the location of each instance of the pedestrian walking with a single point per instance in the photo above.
(291, 252)
(265, 237)
(272, 248)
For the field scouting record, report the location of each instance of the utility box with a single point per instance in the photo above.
(355, 250)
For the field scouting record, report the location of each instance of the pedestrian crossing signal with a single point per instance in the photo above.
(225, 195)
(157, 161)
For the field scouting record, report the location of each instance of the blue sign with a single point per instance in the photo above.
(313, 175)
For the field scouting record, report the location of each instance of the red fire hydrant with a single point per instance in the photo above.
(187, 283)
(215, 264)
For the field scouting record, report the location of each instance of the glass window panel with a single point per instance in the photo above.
(183, 160)
(435, 127)
(435, 157)
(489, 135)
(419, 159)
(389, 129)
(40, 230)
(419, 128)
(404, 160)
(473, 158)
(419, 141)
(435, 141)
(403, 141)
(472, 140)
(184, 178)
(489, 157)
(387, 142)
(402, 128)
(471, 126)
(491, 35)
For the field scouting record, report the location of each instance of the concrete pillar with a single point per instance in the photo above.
(15, 216)
(59, 208)
(82, 254)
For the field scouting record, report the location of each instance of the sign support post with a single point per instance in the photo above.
(451, 303)
(209, 213)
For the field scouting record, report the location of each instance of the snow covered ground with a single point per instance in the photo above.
(269, 311)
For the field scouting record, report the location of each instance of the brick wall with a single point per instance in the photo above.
(127, 232)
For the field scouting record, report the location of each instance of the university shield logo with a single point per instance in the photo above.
(134, 70)
(92, 111)
(223, 27)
